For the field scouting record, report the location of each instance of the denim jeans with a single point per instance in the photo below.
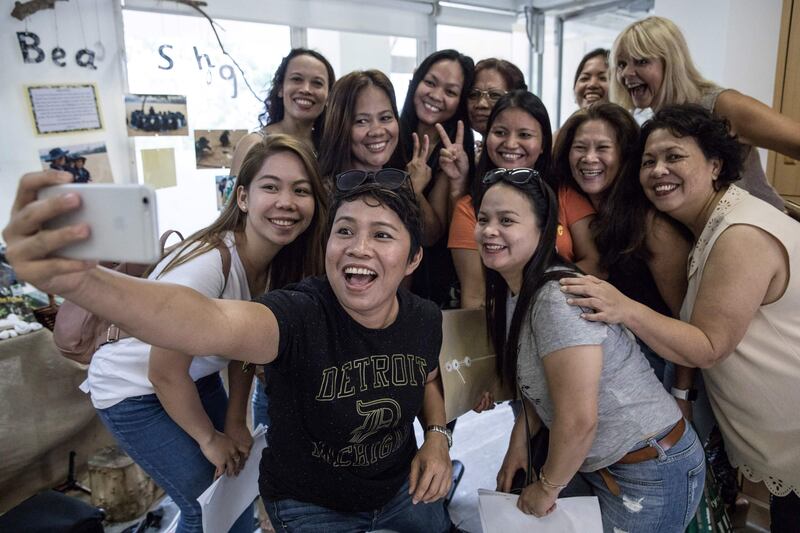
(400, 514)
(168, 454)
(260, 405)
(657, 496)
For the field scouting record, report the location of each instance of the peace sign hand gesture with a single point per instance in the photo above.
(453, 159)
(418, 167)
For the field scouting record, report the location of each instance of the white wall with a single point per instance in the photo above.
(19, 145)
(734, 43)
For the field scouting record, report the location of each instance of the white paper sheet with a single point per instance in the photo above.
(225, 500)
(499, 514)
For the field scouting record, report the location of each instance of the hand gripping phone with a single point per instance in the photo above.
(122, 221)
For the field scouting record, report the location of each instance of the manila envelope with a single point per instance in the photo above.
(467, 362)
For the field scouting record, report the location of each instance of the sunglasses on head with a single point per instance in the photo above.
(517, 176)
(388, 178)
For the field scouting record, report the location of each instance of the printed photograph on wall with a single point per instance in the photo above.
(214, 148)
(156, 114)
(88, 163)
(224, 190)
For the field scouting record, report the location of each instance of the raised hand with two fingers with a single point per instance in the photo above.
(454, 160)
(418, 167)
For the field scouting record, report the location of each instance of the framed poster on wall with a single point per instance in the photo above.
(64, 108)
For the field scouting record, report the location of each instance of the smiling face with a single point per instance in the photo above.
(488, 88)
(279, 201)
(507, 232)
(642, 77)
(305, 88)
(514, 139)
(375, 130)
(592, 84)
(367, 258)
(594, 158)
(437, 95)
(676, 176)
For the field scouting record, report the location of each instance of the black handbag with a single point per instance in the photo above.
(538, 446)
(53, 512)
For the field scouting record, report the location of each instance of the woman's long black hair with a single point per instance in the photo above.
(545, 209)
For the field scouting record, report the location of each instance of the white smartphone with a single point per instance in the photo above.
(122, 220)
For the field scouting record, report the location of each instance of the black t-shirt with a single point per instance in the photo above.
(343, 398)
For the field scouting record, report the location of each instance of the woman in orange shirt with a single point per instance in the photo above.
(518, 135)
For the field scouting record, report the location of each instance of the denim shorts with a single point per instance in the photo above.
(400, 514)
(660, 495)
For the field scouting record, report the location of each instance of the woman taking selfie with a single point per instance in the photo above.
(610, 420)
(349, 370)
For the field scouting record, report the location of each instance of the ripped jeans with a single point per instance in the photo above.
(657, 496)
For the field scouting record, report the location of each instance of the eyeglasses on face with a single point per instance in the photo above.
(492, 95)
(517, 176)
(388, 178)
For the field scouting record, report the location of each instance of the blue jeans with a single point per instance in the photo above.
(168, 454)
(400, 514)
(657, 496)
(260, 405)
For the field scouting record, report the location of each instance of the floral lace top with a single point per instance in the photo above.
(754, 392)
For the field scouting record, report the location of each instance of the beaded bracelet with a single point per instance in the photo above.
(547, 483)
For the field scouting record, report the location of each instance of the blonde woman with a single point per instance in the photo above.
(653, 69)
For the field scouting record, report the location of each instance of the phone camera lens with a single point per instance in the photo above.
(145, 201)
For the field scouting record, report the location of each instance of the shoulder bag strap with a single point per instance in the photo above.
(225, 252)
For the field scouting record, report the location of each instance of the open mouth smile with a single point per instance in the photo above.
(376, 147)
(664, 189)
(431, 107)
(304, 102)
(283, 222)
(492, 248)
(591, 173)
(359, 277)
(636, 89)
(510, 157)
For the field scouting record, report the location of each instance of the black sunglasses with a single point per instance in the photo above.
(517, 176)
(388, 178)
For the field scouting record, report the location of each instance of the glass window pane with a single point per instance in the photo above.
(477, 44)
(349, 51)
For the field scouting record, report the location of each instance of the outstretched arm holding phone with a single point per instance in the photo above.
(163, 314)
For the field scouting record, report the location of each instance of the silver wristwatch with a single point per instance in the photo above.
(444, 431)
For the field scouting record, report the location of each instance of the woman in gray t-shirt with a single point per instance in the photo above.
(610, 419)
